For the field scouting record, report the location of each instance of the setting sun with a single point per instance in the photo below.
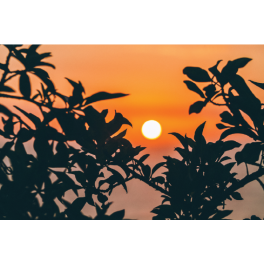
(151, 129)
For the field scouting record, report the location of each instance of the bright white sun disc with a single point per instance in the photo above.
(151, 129)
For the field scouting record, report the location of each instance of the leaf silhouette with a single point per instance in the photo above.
(24, 85)
(221, 214)
(260, 85)
(36, 121)
(102, 96)
(181, 139)
(157, 166)
(197, 74)
(119, 215)
(197, 107)
(238, 130)
(249, 154)
(5, 88)
(193, 87)
(221, 126)
(198, 135)
(236, 196)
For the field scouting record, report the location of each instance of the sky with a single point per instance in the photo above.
(153, 77)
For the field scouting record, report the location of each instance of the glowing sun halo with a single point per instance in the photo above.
(151, 129)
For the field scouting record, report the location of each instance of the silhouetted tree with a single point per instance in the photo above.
(200, 182)
(102, 149)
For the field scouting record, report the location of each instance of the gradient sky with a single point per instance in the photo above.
(153, 76)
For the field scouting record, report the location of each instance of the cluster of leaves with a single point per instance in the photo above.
(200, 182)
(79, 158)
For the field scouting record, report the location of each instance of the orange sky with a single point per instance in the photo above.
(153, 76)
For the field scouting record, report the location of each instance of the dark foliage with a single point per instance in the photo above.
(199, 183)
(89, 149)
(27, 189)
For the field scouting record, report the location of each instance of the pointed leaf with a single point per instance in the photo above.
(32, 117)
(238, 130)
(119, 215)
(24, 85)
(157, 166)
(197, 74)
(197, 107)
(221, 214)
(221, 126)
(5, 88)
(181, 139)
(260, 85)
(143, 158)
(193, 87)
(102, 96)
(236, 196)
(199, 132)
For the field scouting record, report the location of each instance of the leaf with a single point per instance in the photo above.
(224, 158)
(157, 166)
(41, 63)
(104, 113)
(102, 96)
(210, 90)
(5, 88)
(249, 154)
(221, 126)
(197, 107)
(214, 70)
(143, 158)
(231, 68)
(183, 152)
(164, 210)
(35, 120)
(238, 130)
(20, 149)
(66, 180)
(146, 171)
(181, 139)
(119, 215)
(190, 142)
(198, 135)
(236, 196)
(193, 87)
(221, 214)
(25, 135)
(116, 123)
(260, 85)
(228, 118)
(80, 177)
(241, 62)
(120, 135)
(197, 74)
(24, 85)
(230, 144)
(43, 75)
(159, 180)
(117, 177)
(76, 97)
(78, 204)
(102, 198)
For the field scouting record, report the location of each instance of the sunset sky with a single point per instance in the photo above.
(153, 77)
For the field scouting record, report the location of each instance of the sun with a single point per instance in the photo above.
(151, 129)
